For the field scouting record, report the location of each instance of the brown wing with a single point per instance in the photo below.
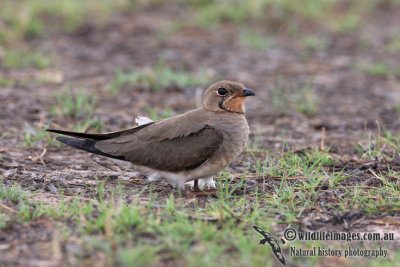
(180, 153)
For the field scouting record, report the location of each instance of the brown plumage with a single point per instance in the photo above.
(195, 145)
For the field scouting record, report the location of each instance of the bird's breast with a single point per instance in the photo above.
(235, 132)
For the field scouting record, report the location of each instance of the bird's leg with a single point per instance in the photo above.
(196, 186)
(201, 193)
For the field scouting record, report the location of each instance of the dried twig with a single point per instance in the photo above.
(39, 157)
(7, 208)
(376, 175)
(114, 168)
(322, 145)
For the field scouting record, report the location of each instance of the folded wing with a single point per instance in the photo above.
(179, 153)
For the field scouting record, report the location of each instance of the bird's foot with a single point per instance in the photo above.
(202, 183)
(201, 193)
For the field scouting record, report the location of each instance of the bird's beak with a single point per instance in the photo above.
(247, 92)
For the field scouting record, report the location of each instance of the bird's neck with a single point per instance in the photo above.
(235, 105)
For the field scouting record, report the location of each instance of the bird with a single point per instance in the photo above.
(192, 147)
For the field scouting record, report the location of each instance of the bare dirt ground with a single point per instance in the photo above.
(353, 106)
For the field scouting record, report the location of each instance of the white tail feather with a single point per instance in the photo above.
(140, 120)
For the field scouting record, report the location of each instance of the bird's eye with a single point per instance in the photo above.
(222, 91)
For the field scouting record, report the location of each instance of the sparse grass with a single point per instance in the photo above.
(169, 28)
(374, 69)
(13, 193)
(370, 200)
(254, 40)
(158, 78)
(313, 42)
(219, 233)
(6, 82)
(4, 220)
(394, 45)
(80, 106)
(28, 19)
(19, 59)
(216, 234)
(182, 235)
(306, 101)
(93, 124)
(74, 105)
(41, 78)
(293, 164)
(77, 106)
(303, 175)
(392, 139)
(34, 136)
(159, 114)
(377, 146)
(302, 99)
(326, 13)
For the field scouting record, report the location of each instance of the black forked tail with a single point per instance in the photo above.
(87, 145)
(81, 135)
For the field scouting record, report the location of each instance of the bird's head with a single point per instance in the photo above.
(226, 96)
